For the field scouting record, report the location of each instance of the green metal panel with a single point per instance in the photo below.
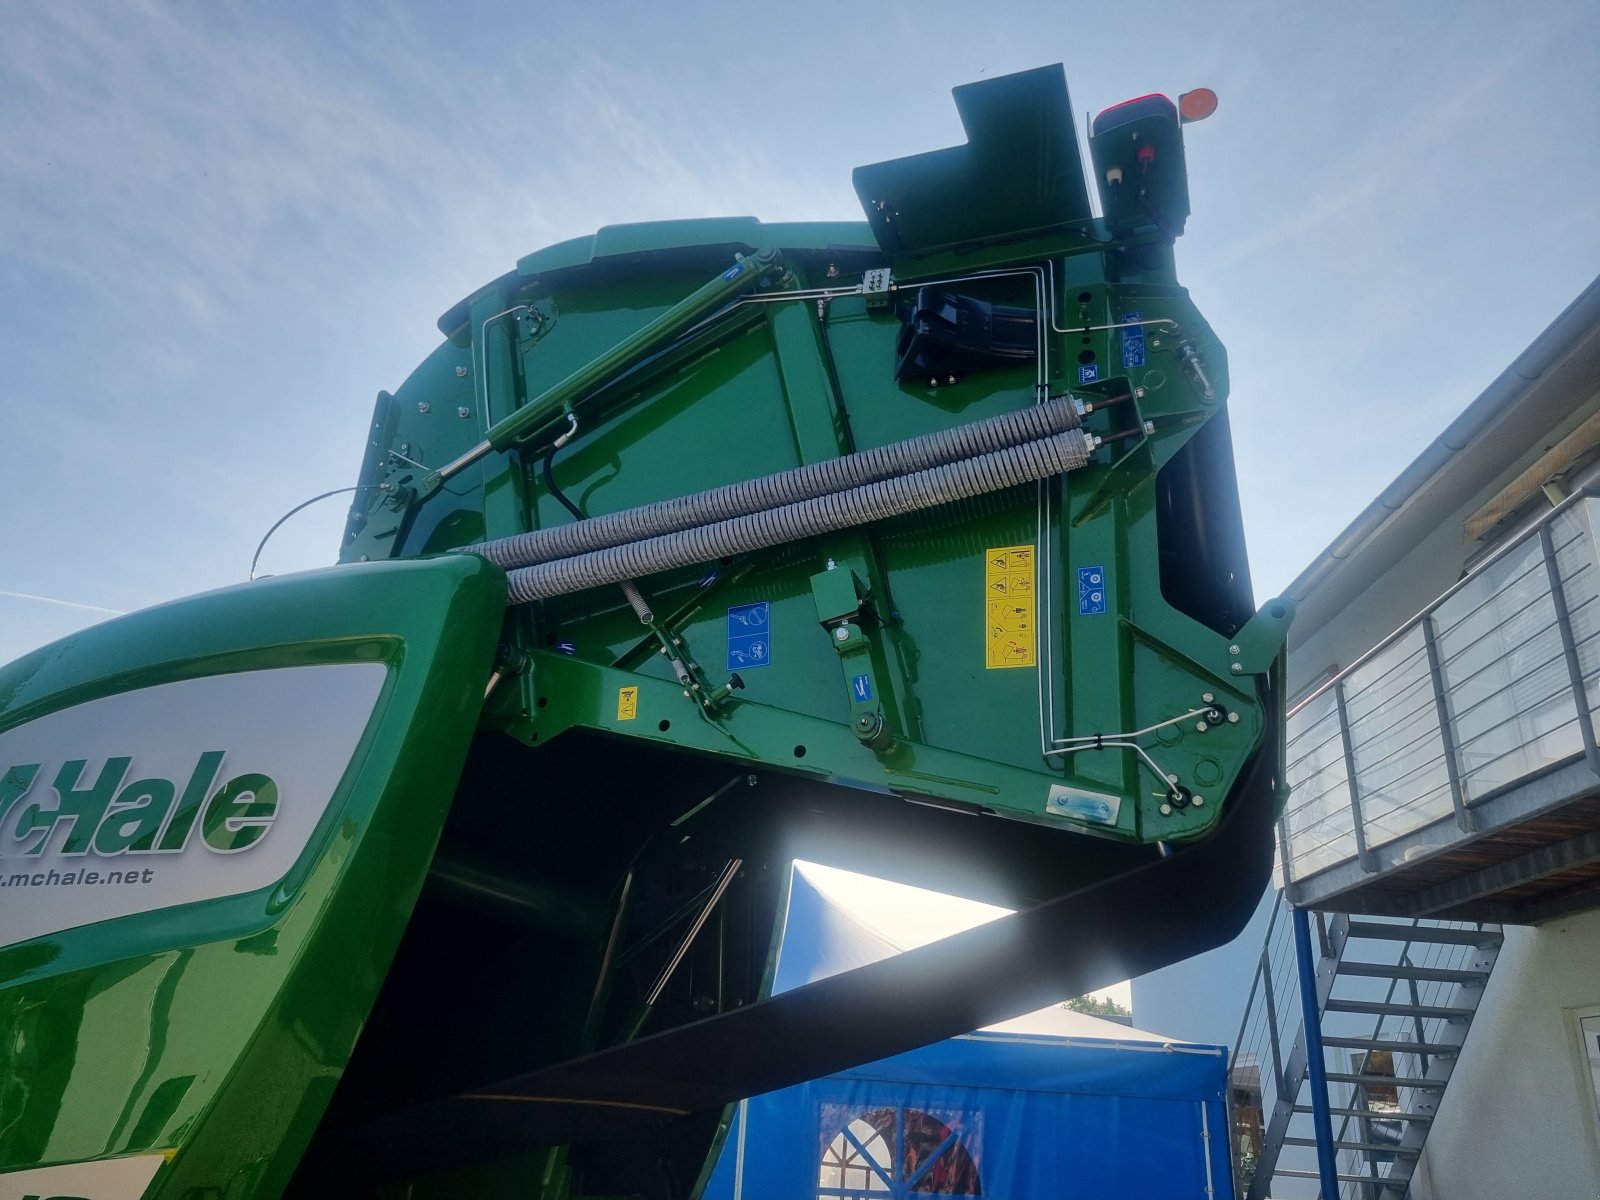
(213, 1032)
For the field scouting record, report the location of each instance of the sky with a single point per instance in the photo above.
(224, 226)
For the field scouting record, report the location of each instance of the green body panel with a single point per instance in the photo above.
(214, 1032)
(770, 395)
(1013, 695)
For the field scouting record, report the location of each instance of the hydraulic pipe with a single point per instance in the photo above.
(625, 355)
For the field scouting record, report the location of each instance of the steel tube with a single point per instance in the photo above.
(1316, 1069)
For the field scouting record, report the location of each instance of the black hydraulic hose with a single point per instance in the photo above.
(807, 518)
(548, 468)
(807, 482)
(630, 590)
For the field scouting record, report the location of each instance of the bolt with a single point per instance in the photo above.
(841, 634)
(1201, 727)
(1172, 779)
(364, 558)
(1233, 649)
(1149, 427)
(1198, 801)
(933, 383)
(1238, 668)
(1138, 393)
(461, 372)
(950, 379)
(422, 406)
(1233, 718)
(750, 779)
(1166, 810)
(463, 412)
(1207, 697)
(1155, 343)
(832, 566)
(686, 695)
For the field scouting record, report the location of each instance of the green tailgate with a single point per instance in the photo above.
(215, 817)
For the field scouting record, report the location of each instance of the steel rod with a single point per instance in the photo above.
(722, 883)
(1316, 1069)
(1569, 647)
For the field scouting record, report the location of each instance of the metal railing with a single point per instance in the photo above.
(1494, 682)
(1272, 1129)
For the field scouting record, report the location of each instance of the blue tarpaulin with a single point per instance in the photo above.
(1053, 1106)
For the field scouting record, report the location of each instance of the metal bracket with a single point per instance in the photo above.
(1259, 644)
(841, 600)
(877, 286)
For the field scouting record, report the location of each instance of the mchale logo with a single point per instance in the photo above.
(148, 816)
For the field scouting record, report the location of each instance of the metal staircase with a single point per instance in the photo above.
(1395, 1000)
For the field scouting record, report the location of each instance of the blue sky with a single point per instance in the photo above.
(223, 227)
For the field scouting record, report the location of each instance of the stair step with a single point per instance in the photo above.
(1368, 1114)
(1378, 1180)
(1387, 1081)
(1374, 1008)
(1424, 933)
(1375, 1147)
(1421, 974)
(1433, 1049)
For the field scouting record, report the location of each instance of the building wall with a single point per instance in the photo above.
(1515, 1120)
(1428, 567)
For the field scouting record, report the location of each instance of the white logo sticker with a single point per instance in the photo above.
(108, 1179)
(180, 792)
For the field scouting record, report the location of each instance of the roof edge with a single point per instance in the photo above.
(1560, 338)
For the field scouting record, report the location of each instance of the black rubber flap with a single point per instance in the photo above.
(1169, 909)
(1019, 175)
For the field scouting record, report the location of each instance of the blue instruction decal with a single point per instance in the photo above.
(1132, 341)
(566, 647)
(732, 272)
(1091, 591)
(749, 636)
(861, 687)
(1089, 373)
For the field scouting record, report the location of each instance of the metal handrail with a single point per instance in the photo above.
(1433, 605)
(1266, 1025)
(1398, 792)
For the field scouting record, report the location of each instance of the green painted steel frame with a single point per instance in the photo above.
(233, 1018)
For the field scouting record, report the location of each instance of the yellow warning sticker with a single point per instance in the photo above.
(627, 703)
(1008, 607)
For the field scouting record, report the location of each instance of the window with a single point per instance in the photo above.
(1586, 1024)
(897, 1154)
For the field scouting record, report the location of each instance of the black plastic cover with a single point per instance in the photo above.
(945, 334)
